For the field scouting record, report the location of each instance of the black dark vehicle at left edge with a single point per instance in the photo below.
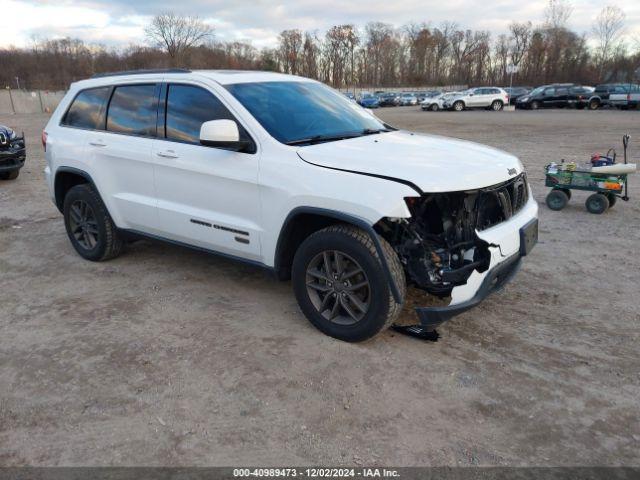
(12, 153)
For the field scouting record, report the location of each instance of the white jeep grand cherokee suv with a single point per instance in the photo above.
(286, 173)
(493, 98)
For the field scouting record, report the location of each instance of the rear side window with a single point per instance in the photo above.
(87, 108)
(188, 107)
(132, 110)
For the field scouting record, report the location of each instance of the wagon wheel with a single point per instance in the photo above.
(557, 199)
(597, 203)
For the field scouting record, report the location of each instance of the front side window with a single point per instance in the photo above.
(188, 107)
(86, 109)
(297, 112)
(132, 110)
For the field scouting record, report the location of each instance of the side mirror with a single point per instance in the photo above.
(222, 134)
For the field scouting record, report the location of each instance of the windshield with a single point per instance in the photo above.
(538, 91)
(295, 111)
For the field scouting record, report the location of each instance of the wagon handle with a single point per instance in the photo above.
(625, 144)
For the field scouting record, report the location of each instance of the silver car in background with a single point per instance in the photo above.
(436, 103)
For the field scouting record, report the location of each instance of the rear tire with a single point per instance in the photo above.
(594, 105)
(597, 203)
(497, 105)
(612, 199)
(557, 199)
(10, 175)
(340, 303)
(89, 225)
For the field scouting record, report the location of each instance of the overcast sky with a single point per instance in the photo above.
(121, 22)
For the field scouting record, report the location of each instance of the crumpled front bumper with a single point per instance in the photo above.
(12, 159)
(508, 243)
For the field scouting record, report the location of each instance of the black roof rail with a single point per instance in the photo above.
(141, 72)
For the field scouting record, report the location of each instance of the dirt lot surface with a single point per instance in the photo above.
(167, 356)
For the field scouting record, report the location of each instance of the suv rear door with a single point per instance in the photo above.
(207, 196)
(119, 155)
(561, 97)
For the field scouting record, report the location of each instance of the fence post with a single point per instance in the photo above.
(40, 97)
(13, 108)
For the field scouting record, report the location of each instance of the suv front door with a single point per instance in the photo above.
(207, 197)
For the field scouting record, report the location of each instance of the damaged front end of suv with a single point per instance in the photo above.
(12, 153)
(440, 245)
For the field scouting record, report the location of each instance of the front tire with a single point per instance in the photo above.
(89, 225)
(458, 106)
(340, 284)
(535, 105)
(434, 107)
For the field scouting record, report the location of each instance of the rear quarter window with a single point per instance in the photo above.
(86, 110)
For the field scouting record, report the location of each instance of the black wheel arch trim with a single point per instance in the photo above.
(75, 171)
(343, 217)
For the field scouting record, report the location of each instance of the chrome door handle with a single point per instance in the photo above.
(98, 143)
(168, 154)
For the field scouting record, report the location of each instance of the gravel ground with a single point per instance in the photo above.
(166, 356)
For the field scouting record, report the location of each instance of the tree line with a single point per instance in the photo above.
(376, 54)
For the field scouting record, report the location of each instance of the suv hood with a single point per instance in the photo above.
(432, 163)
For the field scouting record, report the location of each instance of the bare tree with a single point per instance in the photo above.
(177, 33)
(519, 41)
(291, 44)
(557, 14)
(607, 30)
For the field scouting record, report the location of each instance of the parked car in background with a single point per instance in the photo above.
(389, 99)
(579, 96)
(516, 92)
(12, 153)
(408, 99)
(436, 102)
(351, 96)
(547, 96)
(600, 96)
(493, 98)
(629, 98)
(422, 96)
(369, 100)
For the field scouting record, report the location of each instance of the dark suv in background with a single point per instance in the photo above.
(516, 92)
(544, 97)
(12, 153)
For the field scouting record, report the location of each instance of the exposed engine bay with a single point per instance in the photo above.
(438, 246)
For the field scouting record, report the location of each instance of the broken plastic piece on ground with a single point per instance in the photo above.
(418, 331)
